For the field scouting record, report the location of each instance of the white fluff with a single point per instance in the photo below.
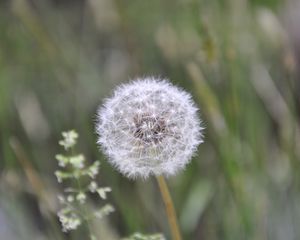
(149, 127)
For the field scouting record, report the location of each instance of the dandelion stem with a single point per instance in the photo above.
(169, 208)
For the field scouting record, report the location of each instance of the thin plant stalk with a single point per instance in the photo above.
(172, 218)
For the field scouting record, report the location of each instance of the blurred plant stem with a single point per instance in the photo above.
(38, 187)
(169, 208)
(226, 140)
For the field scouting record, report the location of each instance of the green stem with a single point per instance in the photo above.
(85, 214)
(169, 208)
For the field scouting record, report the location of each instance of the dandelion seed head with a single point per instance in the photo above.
(149, 127)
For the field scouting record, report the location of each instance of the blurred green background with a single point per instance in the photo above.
(239, 59)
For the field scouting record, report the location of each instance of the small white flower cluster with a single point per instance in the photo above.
(149, 127)
(74, 168)
(139, 236)
(67, 215)
(69, 139)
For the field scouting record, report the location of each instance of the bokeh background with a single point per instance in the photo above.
(240, 60)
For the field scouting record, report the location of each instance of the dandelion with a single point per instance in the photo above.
(149, 127)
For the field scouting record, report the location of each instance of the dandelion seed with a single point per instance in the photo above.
(149, 127)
